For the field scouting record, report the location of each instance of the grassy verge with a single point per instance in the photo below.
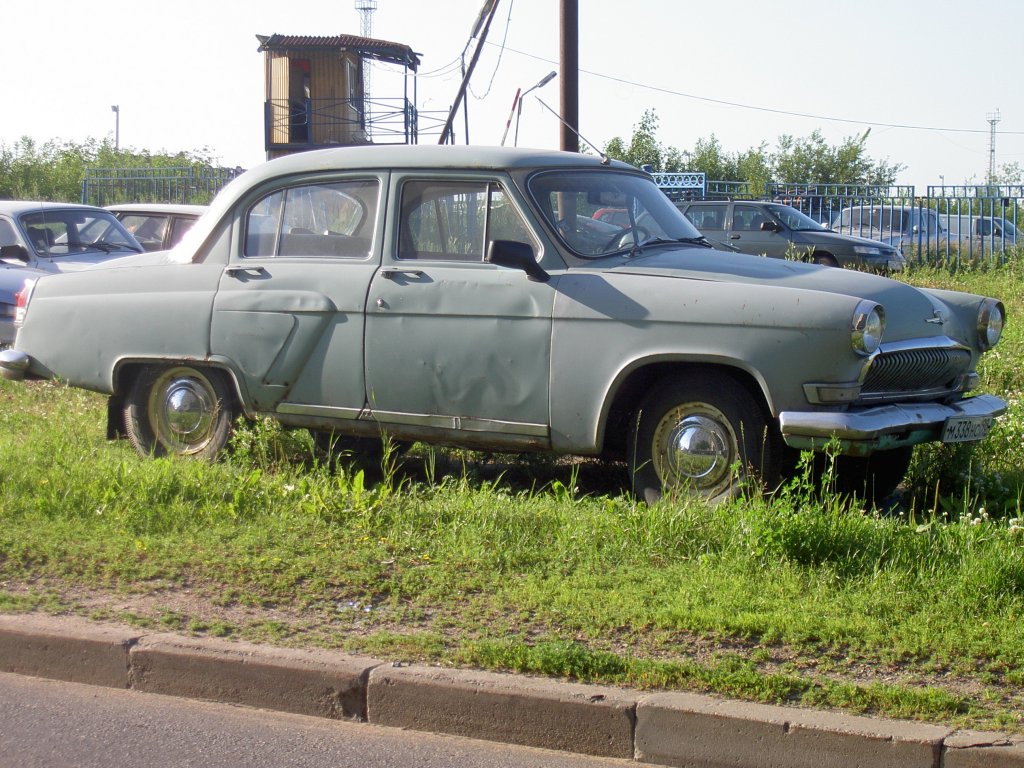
(454, 558)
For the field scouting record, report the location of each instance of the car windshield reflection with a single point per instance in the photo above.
(598, 213)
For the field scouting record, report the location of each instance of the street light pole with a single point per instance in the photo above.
(518, 105)
(116, 109)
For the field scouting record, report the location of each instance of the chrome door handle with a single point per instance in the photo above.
(236, 269)
(390, 273)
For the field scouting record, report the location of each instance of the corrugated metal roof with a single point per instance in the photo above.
(382, 50)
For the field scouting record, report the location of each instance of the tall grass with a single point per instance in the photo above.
(802, 598)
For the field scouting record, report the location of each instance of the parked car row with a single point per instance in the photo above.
(468, 296)
(39, 238)
(781, 231)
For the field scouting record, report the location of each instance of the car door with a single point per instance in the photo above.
(453, 342)
(290, 306)
(746, 234)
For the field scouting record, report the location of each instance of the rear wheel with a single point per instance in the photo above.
(704, 438)
(179, 410)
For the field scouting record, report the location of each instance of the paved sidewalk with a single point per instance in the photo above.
(678, 729)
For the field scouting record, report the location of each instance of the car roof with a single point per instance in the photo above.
(18, 207)
(425, 156)
(172, 208)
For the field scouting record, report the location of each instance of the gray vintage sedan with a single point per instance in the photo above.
(467, 296)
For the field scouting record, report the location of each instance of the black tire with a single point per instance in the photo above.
(179, 410)
(825, 259)
(872, 478)
(723, 441)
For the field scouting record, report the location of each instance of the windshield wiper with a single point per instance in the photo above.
(638, 247)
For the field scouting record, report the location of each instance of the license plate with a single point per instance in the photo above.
(962, 429)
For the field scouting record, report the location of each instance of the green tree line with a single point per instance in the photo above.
(55, 169)
(794, 160)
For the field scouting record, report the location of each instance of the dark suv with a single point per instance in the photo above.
(781, 231)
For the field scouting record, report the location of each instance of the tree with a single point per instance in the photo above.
(812, 159)
(795, 160)
(643, 148)
(55, 170)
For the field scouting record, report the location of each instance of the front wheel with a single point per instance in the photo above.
(179, 410)
(703, 438)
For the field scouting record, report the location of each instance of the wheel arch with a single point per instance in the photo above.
(633, 383)
(127, 370)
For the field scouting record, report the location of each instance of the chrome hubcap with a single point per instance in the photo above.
(694, 450)
(183, 409)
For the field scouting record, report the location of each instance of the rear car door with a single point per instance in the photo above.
(290, 305)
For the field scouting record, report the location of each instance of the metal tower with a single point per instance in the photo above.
(366, 9)
(993, 118)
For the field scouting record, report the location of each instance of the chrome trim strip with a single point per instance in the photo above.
(463, 423)
(930, 342)
(330, 411)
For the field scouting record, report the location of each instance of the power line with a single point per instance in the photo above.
(788, 113)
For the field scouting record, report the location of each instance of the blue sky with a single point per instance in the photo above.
(924, 76)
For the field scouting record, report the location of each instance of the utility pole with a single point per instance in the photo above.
(993, 118)
(483, 20)
(570, 75)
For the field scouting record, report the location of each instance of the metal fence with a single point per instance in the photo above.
(949, 223)
(199, 185)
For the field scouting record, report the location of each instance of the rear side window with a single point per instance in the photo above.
(707, 216)
(332, 220)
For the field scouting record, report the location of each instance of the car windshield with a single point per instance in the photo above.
(794, 219)
(600, 212)
(60, 233)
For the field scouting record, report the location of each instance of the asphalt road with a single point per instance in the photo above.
(52, 724)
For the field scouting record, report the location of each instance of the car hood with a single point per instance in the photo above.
(148, 259)
(910, 312)
(826, 237)
(78, 262)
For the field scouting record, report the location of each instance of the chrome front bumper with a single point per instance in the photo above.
(861, 432)
(13, 364)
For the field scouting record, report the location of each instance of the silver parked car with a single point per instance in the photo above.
(464, 295)
(36, 238)
(157, 226)
(60, 237)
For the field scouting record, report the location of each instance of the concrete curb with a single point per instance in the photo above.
(678, 729)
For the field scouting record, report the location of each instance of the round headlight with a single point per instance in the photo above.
(991, 317)
(866, 327)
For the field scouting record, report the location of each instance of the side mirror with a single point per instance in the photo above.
(770, 226)
(16, 252)
(511, 253)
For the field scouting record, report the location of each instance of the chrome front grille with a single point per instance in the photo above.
(915, 371)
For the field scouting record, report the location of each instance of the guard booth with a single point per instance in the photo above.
(315, 99)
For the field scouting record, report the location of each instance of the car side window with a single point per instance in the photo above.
(706, 216)
(318, 220)
(454, 221)
(747, 218)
